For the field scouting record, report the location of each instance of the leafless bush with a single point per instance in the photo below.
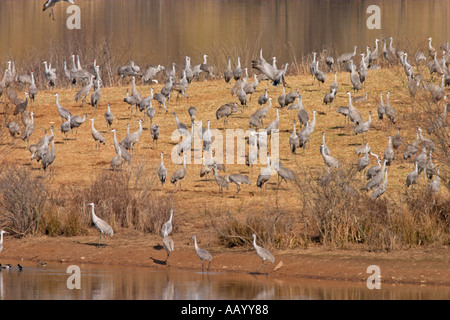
(274, 226)
(23, 198)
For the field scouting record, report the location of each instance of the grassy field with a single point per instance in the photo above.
(199, 207)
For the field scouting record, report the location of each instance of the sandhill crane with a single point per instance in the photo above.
(192, 111)
(427, 143)
(329, 160)
(302, 114)
(167, 226)
(242, 96)
(324, 146)
(21, 105)
(51, 4)
(283, 172)
(264, 175)
(66, 127)
(252, 155)
(109, 117)
(13, 128)
(208, 68)
(389, 152)
(130, 140)
(116, 161)
(290, 98)
(123, 152)
(154, 131)
(345, 57)
(256, 119)
(281, 98)
(263, 98)
(237, 179)
(430, 169)
(168, 245)
(49, 158)
(397, 140)
(335, 84)
(179, 174)
(305, 133)
(329, 62)
(320, 76)
(226, 110)
(205, 170)
(238, 83)
(50, 74)
(181, 86)
(412, 148)
(273, 126)
(273, 74)
(364, 127)
(374, 54)
(83, 92)
(329, 97)
(363, 162)
(374, 169)
(376, 180)
(162, 171)
(435, 185)
(353, 114)
(103, 227)
(237, 72)
(150, 74)
(363, 71)
(421, 160)
(32, 90)
(203, 254)
(355, 79)
(389, 111)
(411, 179)
(161, 100)
(381, 189)
(97, 135)
(221, 181)
(293, 139)
(28, 130)
(388, 55)
(228, 73)
(63, 112)
(207, 136)
(263, 253)
(250, 88)
(312, 66)
(95, 97)
(182, 128)
(132, 101)
(75, 122)
(431, 51)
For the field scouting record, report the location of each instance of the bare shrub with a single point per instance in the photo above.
(274, 226)
(23, 198)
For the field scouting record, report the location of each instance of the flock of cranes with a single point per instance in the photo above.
(90, 84)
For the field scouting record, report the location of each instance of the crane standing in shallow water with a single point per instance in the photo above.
(102, 226)
(202, 254)
(263, 253)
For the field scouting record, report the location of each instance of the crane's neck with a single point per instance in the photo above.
(429, 44)
(32, 79)
(239, 63)
(323, 138)
(204, 59)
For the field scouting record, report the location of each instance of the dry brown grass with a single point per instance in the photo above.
(78, 165)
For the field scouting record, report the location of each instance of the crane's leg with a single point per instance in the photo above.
(209, 263)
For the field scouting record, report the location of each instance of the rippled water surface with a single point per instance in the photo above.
(130, 283)
(164, 31)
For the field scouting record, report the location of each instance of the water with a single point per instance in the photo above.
(136, 283)
(166, 30)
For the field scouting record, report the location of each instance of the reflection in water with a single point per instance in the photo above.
(133, 283)
(166, 30)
